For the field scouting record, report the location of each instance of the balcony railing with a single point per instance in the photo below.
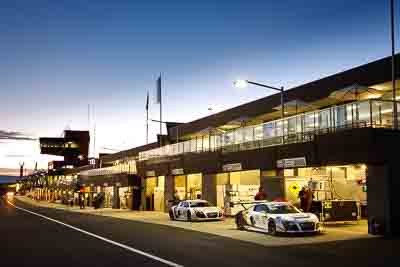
(295, 129)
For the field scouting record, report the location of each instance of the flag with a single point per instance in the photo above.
(147, 101)
(158, 95)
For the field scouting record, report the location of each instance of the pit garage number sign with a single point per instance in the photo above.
(294, 188)
(291, 163)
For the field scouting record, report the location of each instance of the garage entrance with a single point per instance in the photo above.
(188, 186)
(338, 193)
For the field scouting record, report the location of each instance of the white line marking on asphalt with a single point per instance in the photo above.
(167, 262)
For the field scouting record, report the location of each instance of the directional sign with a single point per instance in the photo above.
(232, 167)
(150, 173)
(177, 171)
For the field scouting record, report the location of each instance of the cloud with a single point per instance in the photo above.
(14, 135)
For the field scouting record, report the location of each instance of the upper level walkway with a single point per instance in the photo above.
(299, 128)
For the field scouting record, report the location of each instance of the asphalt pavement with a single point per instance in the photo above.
(30, 240)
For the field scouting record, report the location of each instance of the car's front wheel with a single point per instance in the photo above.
(271, 228)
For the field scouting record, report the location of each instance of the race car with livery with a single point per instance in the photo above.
(195, 210)
(277, 217)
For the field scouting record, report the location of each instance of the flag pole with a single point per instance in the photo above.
(160, 110)
(147, 127)
(147, 118)
(392, 32)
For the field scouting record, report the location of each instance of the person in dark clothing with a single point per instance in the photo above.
(303, 200)
(81, 200)
(261, 195)
(96, 202)
(306, 196)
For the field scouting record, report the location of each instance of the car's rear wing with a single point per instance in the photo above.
(246, 204)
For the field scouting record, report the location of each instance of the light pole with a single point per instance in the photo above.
(395, 119)
(245, 83)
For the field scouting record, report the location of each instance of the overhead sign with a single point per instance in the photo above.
(150, 173)
(232, 167)
(291, 163)
(105, 184)
(118, 184)
(177, 171)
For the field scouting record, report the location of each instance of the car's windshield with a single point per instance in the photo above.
(199, 204)
(282, 208)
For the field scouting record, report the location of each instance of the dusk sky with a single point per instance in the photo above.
(59, 56)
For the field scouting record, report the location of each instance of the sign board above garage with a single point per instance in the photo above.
(232, 167)
(291, 162)
(177, 171)
(150, 173)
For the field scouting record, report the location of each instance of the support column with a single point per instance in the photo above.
(143, 193)
(169, 190)
(383, 206)
(273, 183)
(209, 188)
(135, 197)
(115, 201)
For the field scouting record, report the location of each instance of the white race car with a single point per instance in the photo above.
(195, 210)
(273, 217)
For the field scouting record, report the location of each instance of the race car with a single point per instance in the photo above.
(274, 217)
(195, 210)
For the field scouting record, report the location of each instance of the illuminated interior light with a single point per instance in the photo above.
(373, 96)
(364, 167)
(386, 111)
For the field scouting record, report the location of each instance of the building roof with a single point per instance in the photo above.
(369, 74)
(133, 152)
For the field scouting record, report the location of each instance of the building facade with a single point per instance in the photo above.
(337, 137)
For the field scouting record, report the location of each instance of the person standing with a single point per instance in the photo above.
(302, 197)
(309, 199)
(81, 201)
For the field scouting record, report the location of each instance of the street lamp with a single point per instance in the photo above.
(392, 31)
(245, 83)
